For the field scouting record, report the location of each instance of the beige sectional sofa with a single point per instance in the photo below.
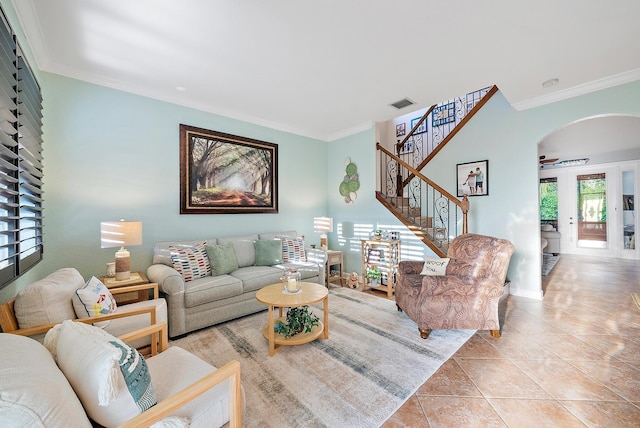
(196, 299)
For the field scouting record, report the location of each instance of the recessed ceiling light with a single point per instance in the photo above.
(551, 82)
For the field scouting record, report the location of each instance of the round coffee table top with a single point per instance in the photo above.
(309, 293)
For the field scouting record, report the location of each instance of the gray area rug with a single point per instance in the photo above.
(372, 362)
(548, 262)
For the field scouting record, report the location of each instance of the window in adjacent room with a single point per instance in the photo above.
(549, 201)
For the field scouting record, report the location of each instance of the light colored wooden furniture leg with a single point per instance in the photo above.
(272, 332)
(495, 333)
(326, 318)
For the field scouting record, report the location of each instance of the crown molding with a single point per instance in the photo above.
(586, 88)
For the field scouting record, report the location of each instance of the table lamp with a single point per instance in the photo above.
(118, 234)
(323, 225)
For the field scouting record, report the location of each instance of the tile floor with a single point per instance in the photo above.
(570, 360)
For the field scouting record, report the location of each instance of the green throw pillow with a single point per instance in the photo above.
(222, 259)
(268, 252)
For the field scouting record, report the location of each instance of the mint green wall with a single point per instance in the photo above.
(508, 139)
(111, 155)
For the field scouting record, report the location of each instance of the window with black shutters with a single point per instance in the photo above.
(21, 171)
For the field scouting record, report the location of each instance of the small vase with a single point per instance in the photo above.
(111, 269)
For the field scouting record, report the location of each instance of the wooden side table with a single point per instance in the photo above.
(334, 258)
(136, 278)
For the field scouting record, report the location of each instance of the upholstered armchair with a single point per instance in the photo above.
(466, 296)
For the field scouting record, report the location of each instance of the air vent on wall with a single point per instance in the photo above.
(405, 102)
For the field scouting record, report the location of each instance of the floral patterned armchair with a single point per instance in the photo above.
(466, 297)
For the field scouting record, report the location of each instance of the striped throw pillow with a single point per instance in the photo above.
(191, 262)
(292, 249)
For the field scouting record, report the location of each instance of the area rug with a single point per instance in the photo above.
(373, 361)
(548, 262)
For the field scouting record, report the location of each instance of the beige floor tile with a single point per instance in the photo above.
(478, 347)
(534, 413)
(501, 378)
(621, 348)
(571, 348)
(619, 377)
(410, 415)
(605, 413)
(580, 344)
(565, 382)
(447, 412)
(450, 380)
(521, 347)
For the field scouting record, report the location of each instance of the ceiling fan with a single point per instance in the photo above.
(544, 160)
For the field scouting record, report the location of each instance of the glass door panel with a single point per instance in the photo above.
(592, 210)
(628, 211)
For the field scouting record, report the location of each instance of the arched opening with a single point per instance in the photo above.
(592, 164)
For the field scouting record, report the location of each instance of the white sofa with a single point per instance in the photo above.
(552, 236)
(49, 301)
(36, 392)
(215, 298)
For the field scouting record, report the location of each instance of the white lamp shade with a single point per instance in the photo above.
(120, 233)
(322, 224)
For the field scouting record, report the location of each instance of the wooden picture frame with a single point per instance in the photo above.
(467, 181)
(226, 174)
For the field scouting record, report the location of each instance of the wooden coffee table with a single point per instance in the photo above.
(273, 296)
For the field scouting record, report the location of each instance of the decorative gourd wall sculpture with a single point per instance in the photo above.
(350, 184)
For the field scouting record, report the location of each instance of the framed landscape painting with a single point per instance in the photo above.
(226, 174)
(472, 178)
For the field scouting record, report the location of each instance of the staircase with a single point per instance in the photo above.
(430, 212)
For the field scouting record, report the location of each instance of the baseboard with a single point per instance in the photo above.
(505, 291)
(537, 294)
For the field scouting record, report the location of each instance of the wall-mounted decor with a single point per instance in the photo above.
(350, 183)
(443, 113)
(226, 174)
(472, 178)
(422, 128)
(407, 147)
(400, 129)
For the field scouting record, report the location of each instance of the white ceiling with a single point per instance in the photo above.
(327, 69)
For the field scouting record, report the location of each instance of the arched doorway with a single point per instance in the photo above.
(595, 163)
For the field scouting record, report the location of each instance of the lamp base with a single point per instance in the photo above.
(123, 265)
(323, 241)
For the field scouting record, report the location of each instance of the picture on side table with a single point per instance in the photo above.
(472, 178)
(226, 174)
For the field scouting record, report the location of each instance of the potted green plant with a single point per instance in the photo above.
(377, 233)
(374, 275)
(298, 319)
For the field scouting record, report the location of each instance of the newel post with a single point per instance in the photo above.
(465, 210)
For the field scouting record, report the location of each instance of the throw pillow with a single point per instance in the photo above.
(435, 266)
(93, 299)
(191, 262)
(268, 252)
(110, 378)
(292, 249)
(222, 258)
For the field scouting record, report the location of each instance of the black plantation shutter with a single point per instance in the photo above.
(20, 161)
(30, 167)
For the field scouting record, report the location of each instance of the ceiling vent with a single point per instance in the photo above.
(405, 102)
